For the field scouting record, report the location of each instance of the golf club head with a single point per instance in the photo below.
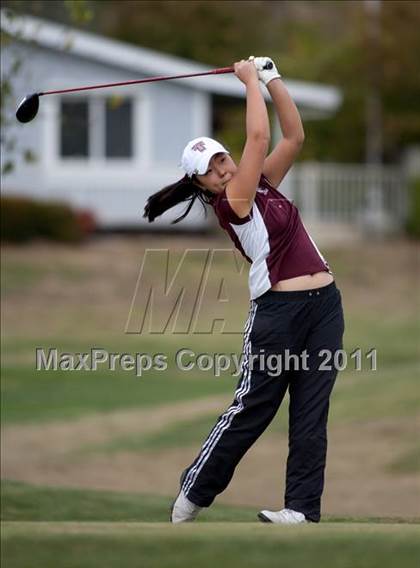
(28, 108)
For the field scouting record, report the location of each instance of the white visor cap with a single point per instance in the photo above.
(198, 153)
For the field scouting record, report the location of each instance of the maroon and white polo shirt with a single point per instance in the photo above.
(272, 238)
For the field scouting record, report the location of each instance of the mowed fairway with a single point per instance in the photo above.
(157, 545)
(91, 460)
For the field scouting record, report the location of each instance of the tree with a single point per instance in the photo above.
(329, 42)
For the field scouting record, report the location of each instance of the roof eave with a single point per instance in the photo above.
(322, 99)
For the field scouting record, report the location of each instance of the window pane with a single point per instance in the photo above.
(118, 128)
(74, 129)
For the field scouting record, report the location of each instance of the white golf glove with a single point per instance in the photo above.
(265, 75)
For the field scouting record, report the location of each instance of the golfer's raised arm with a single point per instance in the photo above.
(242, 188)
(285, 152)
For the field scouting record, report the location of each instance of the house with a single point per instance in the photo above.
(107, 150)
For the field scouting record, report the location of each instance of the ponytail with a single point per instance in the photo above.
(183, 190)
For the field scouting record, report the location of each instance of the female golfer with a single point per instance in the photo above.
(295, 309)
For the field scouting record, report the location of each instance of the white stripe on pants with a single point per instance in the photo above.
(226, 419)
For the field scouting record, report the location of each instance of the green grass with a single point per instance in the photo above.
(382, 395)
(190, 432)
(70, 309)
(18, 277)
(24, 502)
(71, 528)
(394, 337)
(392, 392)
(28, 395)
(409, 462)
(155, 545)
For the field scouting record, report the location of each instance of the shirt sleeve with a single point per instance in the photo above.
(225, 212)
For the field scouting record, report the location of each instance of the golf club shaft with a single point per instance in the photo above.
(137, 81)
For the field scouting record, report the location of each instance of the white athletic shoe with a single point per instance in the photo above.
(283, 517)
(183, 510)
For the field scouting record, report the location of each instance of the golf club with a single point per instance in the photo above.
(28, 108)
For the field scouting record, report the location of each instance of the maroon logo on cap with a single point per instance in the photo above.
(200, 147)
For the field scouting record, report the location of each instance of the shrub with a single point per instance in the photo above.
(23, 219)
(413, 222)
(17, 219)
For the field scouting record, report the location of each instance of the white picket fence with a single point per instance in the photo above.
(361, 195)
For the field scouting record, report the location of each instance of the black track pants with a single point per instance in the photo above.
(287, 340)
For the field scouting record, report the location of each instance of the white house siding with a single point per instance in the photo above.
(165, 117)
(172, 110)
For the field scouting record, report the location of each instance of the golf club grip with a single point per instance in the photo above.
(268, 65)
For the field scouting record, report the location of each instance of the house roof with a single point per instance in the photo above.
(320, 100)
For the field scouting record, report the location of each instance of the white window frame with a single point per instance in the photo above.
(96, 158)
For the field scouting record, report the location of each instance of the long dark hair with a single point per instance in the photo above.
(185, 189)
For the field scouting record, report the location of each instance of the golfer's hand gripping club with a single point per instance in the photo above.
(267, 71)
